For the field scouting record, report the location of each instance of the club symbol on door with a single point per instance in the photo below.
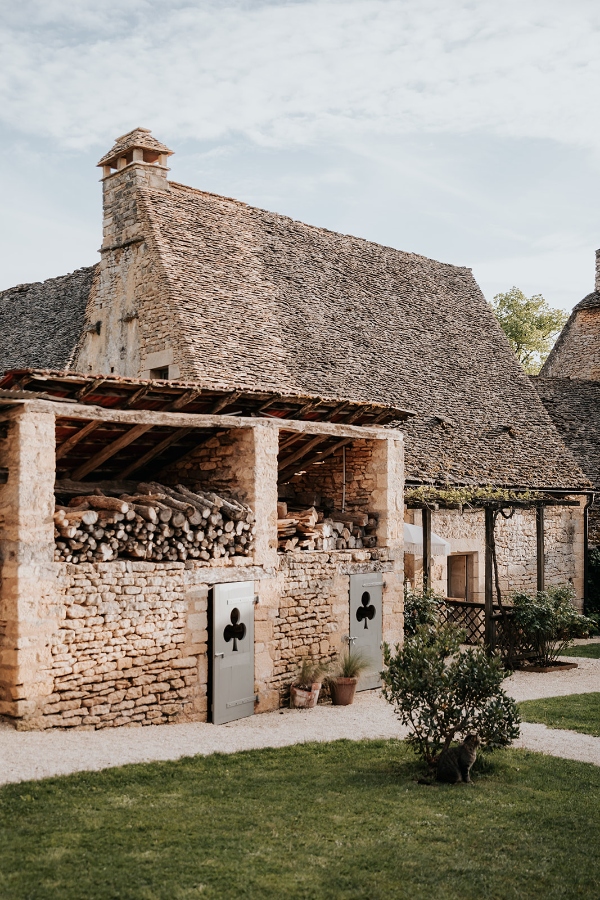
(366, 611)
(236, 631)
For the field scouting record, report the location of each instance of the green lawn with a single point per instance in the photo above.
(591, 651)
(323, 821)
(577, 712)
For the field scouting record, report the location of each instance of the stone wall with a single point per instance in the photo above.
(128, 332)
(594, 526)
(313, 612)
(516, 549)
(216, 464)
(130, 646)
(327, 478)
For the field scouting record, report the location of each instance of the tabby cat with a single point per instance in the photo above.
(454, 764)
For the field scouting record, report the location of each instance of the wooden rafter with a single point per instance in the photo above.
(138, 395)
(289, 441)
(156, 451)
(306, 448)
(356, 414)
(224, 401)
(68, 445)
(323, 454)
(128, 438)
(184, 400)
(88, 389)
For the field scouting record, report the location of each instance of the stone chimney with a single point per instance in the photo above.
(137, 160)
(597, 271)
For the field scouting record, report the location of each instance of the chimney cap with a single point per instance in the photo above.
(138, 139)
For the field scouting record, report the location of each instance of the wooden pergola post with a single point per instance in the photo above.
(426, 525)
(489, 588)
(539, 533)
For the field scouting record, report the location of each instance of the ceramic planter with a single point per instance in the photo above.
(342, 690)
(300, 698)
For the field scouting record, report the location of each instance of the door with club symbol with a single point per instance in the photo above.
(366, 593)
(233, 652)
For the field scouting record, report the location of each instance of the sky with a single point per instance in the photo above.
(464, 131)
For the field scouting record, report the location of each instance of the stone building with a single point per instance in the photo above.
(569, 387)
(235, 350)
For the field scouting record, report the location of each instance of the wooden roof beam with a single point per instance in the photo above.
(290, 460)
(68, 445)
(156, 451)
(128, 438)
(323, 454)
(224, 401)
(88, 389)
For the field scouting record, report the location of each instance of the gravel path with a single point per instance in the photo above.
(33, 755)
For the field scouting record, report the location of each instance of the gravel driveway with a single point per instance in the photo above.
(32, 755)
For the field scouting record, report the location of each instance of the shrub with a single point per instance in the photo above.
(422, 608)
(442, 692)
(592, 609)
(548, 622)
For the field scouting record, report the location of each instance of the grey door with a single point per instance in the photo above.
(233, 652)
(366, 592)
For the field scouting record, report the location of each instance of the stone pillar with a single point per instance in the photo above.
(388, 501)
(28, 606)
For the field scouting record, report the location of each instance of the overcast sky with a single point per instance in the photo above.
(465, 131)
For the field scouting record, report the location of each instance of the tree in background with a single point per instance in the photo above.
(530, 324)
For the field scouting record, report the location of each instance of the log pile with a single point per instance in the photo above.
(313, 529)
(155, 523)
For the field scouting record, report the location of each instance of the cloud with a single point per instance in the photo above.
(296, 73)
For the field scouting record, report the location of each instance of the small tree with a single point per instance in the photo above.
(548, 621)
(421, 608)
(442, 692)
(530, 324)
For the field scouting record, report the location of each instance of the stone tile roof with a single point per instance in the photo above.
(272, 303)
(40, 323)
(591, 301)
(574, 407)
(139, 137)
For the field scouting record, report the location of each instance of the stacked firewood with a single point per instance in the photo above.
(155, 523)
(313, 529)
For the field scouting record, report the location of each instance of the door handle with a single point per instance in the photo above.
(219, 656)
(349, 640)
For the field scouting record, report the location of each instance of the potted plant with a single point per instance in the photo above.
(342, 685)
(547, 623)
(304, 691)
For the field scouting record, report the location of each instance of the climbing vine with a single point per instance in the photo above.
(467, 496)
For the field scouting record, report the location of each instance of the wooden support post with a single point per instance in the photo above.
(426, 525)
(539, 533)
(489, 589)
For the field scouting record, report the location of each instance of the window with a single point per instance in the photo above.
(161, 373)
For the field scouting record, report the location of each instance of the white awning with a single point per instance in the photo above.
(413, 541)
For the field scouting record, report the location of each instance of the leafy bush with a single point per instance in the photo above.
(422, 608)
(592, 608)
(548, 622)
(442, 692)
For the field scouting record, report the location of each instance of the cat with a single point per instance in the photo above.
(454, 764)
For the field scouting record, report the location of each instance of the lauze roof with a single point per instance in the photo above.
(267, 303)
(574, 407)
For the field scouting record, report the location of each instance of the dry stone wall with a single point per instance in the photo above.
(130, 646)
(516, 549)
(327, 478)
(313, 612)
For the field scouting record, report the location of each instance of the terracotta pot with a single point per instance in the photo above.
(342, 690)
(303, 699)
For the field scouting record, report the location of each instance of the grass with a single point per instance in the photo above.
(576, 712)
(591, 651)
(324, 821)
